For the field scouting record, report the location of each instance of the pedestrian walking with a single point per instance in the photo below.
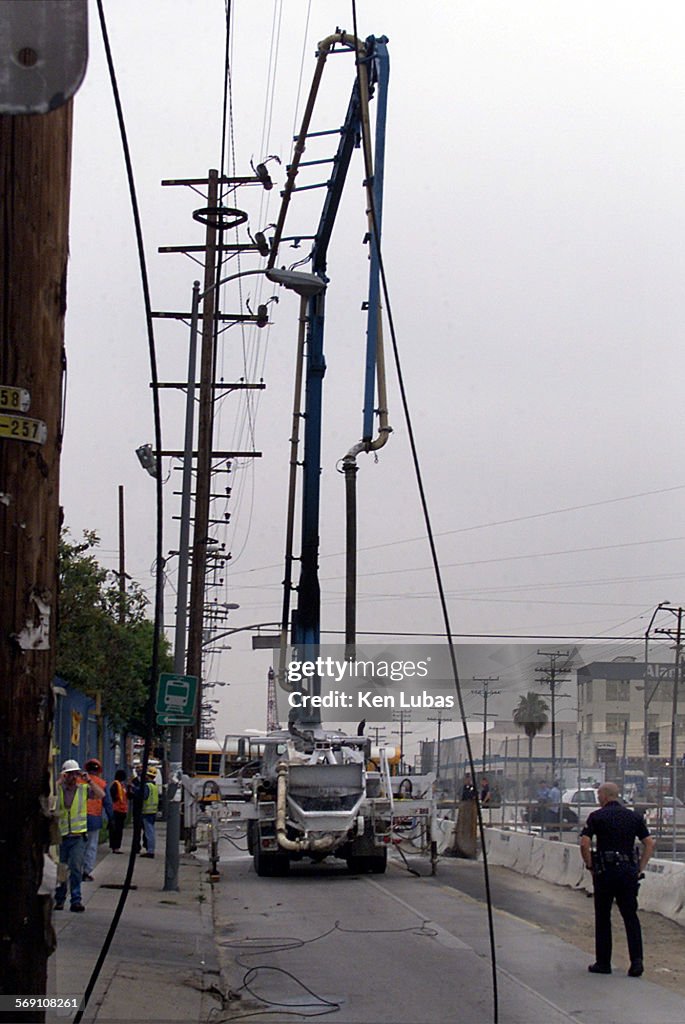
(616, 873)
(119, 797)
(98, 809)
(74, 788)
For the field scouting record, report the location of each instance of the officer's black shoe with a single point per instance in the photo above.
(599, 969)
(636, 969)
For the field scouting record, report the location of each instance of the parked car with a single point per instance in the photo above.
(652, 813)
(582, 801)
(542, 815)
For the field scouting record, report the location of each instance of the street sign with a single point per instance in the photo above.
(14, 399)
(23, 428)
(176, 696)
(174, 719)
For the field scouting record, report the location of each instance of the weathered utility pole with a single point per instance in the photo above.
(43, 53)
(204, 466)
(34, 216)
(190, 613)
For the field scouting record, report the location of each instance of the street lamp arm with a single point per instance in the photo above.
(240, 629)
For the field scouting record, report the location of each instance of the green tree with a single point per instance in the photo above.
(530, 714)
(104, 641)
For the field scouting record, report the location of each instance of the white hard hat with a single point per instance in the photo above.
(71, 766)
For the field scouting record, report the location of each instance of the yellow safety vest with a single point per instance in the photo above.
(73, 820)
(151, 802)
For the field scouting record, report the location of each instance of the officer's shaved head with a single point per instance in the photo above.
(607, 792)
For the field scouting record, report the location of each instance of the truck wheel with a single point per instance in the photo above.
(269, 865)
(357, 865)
(379, 863)
(374, 863)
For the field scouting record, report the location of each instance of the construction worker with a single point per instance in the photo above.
(150, 807)
(119, 796)
(95, 817)
(74, 788)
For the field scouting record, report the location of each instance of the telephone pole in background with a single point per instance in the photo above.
(440, 719)
(676, 635)
(551, 674)
(35, 162)
(485, 693)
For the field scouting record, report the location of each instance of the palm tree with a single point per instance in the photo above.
(530, 714)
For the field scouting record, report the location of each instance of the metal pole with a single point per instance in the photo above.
(560, 787)
(674, 726)
(518, 778)
(504, 777)
(173, 832)
(645, 708)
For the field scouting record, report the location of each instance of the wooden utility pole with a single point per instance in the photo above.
(485, 693)
(34, 183)
(204, 469)
(122, 558)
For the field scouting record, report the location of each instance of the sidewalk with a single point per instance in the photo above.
(161, 966)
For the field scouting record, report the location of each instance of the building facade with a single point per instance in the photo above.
(626, 711)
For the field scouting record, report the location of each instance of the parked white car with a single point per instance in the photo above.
(652, 815)
(582, 801)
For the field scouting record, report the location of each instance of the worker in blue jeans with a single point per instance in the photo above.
(74, 787)
(149, 808)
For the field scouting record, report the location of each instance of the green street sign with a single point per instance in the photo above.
(174, 720)
(176, 696)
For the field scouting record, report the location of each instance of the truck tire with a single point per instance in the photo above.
(362, 865)
(269, 865)
(379, 863)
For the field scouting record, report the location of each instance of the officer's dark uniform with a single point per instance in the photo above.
(615, 875)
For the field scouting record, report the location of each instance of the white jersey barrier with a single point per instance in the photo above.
(662, 891)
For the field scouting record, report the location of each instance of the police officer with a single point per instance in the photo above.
(616, 872)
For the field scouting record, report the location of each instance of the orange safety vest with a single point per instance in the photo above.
(120, 803)
(95, 803)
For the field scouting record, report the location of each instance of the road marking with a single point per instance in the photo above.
(446, 938)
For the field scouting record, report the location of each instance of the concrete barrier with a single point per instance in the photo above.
(662, 891)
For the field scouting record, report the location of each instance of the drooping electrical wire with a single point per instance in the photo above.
(159, 583)
(436, 562)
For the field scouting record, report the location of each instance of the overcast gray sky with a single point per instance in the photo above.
(533, 241)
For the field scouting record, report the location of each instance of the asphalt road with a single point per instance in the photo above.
(401, 949)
